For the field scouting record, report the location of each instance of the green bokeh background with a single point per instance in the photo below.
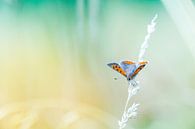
(53, 56)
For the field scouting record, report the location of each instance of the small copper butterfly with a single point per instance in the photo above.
(129, 69)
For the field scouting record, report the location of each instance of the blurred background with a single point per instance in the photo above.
(53, 56)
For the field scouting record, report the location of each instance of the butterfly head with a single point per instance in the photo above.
(128, 78)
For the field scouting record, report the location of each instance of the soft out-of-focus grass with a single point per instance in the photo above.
(58, 50)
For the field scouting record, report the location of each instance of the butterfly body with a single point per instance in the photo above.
(128, 69)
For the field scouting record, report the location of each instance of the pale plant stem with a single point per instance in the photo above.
(144, 46)
(127, 102)
(133, 85)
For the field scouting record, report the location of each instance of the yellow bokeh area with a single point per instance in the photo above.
(54, 56)
(48, 114)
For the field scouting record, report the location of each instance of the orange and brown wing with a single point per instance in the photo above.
(128, 62)
(143, 62)
(142, 65)
(117, 67)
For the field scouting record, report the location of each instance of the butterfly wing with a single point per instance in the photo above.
(117, 67)
(143, 62)
(128, 62)
(128, 69)
(140, 66)
(128, 66)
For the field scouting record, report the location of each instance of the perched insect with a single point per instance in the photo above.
(128, 69)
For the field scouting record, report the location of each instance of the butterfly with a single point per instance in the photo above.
(129, 69)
